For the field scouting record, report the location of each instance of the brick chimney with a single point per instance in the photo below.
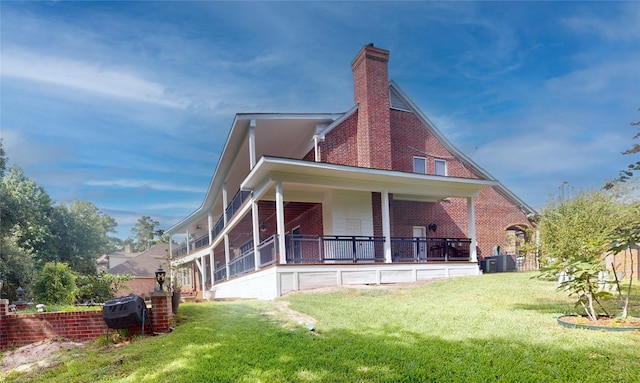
(371, 93)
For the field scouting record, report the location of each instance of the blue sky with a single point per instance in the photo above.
(128, 104)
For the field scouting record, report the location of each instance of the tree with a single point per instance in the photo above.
(16, 268)
(81, 235)
(26, 211)
(144, 232)
(577, 232)
(577, 228)
(625, 175)
(3, 159)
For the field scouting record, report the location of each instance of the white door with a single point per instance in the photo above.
(419, 248)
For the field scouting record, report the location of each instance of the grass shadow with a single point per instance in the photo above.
(238, 343)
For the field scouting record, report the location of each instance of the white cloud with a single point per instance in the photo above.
(86, 76)
(143, 184)
(184, 205)
(612, 80)
(26, 152)
(625, 26)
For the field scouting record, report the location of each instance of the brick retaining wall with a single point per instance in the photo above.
(22, 329)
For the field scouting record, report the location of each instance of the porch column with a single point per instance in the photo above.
(210, 227)
(386, 227)
(471, 220)
(213, 266)
(226, 255)
(203, 277)
(170, 258)
(200, 263)
(256, 232)
(224, 203)
(252, 143)
(186, 234)
(282, 248)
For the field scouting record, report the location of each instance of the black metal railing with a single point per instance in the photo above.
(268, 251)
(335, 248)
(309, 249)
(220, 274)
(180, 251)
(237, 202)
(232, 208)
(201, 242)
(217, 228)
(245, 263)
(417, 249)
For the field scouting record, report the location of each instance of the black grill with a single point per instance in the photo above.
(124, 312)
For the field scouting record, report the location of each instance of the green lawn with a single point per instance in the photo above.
(496, 327)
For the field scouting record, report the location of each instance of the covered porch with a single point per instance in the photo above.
(303, 213)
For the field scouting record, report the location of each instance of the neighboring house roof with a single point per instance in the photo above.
(144, 264)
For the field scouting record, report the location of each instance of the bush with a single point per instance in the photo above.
(55, 283)
(101, 287)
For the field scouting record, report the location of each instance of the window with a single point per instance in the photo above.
(440, 167)
(420, 165)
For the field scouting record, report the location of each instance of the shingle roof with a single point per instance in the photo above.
(144, 264)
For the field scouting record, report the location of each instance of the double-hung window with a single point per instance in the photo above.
(440, 167)
(420, 165)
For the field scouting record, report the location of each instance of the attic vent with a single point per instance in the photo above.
(396, 101)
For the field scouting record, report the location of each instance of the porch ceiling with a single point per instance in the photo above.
(305, 176)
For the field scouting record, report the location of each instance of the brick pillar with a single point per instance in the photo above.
(161, 313)
(4, 326)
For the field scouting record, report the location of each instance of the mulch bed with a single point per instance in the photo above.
(603, 321)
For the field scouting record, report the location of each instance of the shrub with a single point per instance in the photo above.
(55, 283)
(98, 288)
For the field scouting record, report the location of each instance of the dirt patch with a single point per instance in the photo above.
(36, 355)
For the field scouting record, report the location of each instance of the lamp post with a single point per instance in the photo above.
(160, 277)
(20, 293)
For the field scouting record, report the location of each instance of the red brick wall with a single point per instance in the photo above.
(23, 329)
(139, 286)
(340, 145)
(494, 214)
(310, 222)
(410, 137)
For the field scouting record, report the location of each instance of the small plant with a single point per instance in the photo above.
(581, 281)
